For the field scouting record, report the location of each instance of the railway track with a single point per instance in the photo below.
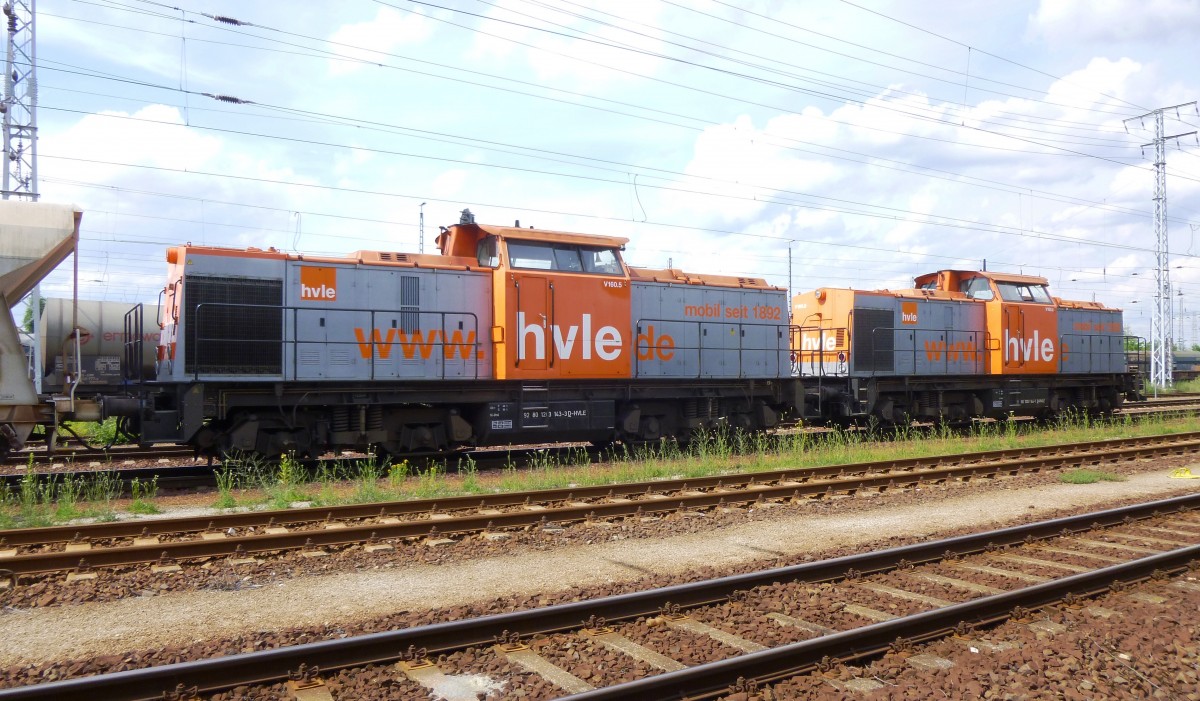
(105, 456)
(179, 470)
(165, 543)
(1161, 407)
(710, 638)
(1170, 400)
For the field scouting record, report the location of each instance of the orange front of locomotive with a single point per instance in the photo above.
(821, 331)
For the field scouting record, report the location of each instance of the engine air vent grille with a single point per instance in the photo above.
(234, 325)
(874, 340)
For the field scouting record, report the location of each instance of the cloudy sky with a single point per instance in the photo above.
(875, 139)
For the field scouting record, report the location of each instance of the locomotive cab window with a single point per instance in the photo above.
(486, 252)
(977, 288)
(601, 260)
(566, 258)
(1018, 292)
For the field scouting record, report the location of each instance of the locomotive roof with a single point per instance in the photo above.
(998, 277)
(413, 260)
(531, 234)
(678, 276)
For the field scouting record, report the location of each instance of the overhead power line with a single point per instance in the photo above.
(737, 74)
(879, 92)
(1005, 231)
(988, 53)
(901, 166)
(839, 98)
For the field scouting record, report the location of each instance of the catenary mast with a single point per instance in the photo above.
(20, 129)
(20, 103)
(1161, 324)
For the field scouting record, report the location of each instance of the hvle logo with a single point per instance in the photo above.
(1033, 348)
(605, 343)
(318, 284)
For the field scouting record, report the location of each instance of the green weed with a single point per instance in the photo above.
(101, 490)
(286, 488)
(1084, 476)
(35, 499)
(97, 433)
(328, 476)
(67, 496)
(397, 475)
(368, 489)
(708, 452)
(470, 472)
(143, 496)
(430, 483)
(1187, 386)
(226, 481)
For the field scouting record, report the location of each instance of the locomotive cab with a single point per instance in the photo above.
(1022, 318)
(561, 301)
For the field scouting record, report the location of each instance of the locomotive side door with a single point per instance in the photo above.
(1014, 334)
(531, 322)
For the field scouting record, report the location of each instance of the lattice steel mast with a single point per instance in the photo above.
(20, 102)
(1161, 331)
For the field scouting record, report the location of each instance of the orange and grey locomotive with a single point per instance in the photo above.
(509, 335)
(961, 345)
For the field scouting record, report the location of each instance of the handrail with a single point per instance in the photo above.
(132, 347)
(815, 357)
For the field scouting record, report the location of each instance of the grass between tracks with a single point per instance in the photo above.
(1186, 387)
(258, 484)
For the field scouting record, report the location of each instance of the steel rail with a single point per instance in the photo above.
(175, 477)
(114, 453)
(1000, 459)
(43, 562)
(715, 679)
(1162, 402)
(216, 674)
(200, 472)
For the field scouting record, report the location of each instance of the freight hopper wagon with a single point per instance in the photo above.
(961, 345)
(34, 238)
(510, 335)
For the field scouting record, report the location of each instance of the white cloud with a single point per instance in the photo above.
(556, 54)
(748, 166)
(160, 140)
(367, 40)
(1115, 20)
(448, 184)
(1090, 86)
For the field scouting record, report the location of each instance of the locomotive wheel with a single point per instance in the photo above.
(207, 443)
